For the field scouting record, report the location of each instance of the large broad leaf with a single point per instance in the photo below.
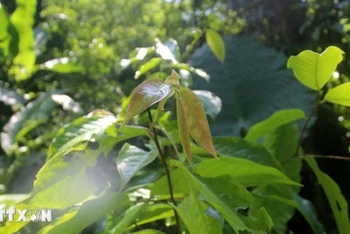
(196, 119)
(192, 212)
(314, 69)
(212, 103)
(77, 219)
(145, 95)
(339, 95)
(252, 84)
(23, 21)
(242, 170)
(216, 44)
(240, 148)
(24, 121)
(336, 199)
(130, 160)
(276, 120)
(183, 131)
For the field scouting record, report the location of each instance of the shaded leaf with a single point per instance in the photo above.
(145, 95)
(276, 120)
(314, 69)
(212, 103)
(183, 131)
(79, 218)
(129, 217)
(196, 119)
(155, 212)
(10, 97)
(130, 160)
(216, 44)
(242, 170)
(339, 95)
(336, 199)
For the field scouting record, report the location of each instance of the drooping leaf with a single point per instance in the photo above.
(147, 67)
(212, 103)
(24, 121)
(192, 212)
(252, 83)
(335, 197)
(145, 95)
(314, 69)
(23, 21)
(196, 119)
(77, 219)
(242, 170)
(216, 44)
(339, 95)
(276, 120)
(130, 160)
(183, 131)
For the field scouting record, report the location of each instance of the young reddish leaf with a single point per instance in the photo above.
(196, 120)
(183, 131)
(145, 95)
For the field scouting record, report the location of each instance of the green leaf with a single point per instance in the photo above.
(80, 130)
(242, 170)
(149, 231)
(154, 212)
(5, 36)
(179, 183)
(183, 131)
(212, 103)
(276, 120)
(11, 97)
(216, 44)
(147, 67)
(61, 65)
(336, 200)
(314, 69)
(196, 119)
(240, 148)
(24, 121)
(23, 21)
(129, 217)
(77, 219)
(339, 95)
(7, 200)
(130, 160)
(192, 212)
(145, 95)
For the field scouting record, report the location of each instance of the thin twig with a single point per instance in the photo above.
(162, 157)
(301, 136)
(326, 156)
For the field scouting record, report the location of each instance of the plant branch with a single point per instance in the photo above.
(301, 136)
(162, 157)
(326, 156)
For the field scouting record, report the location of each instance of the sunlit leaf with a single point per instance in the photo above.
(196, 119)
(313, 69)
(242, 170)
(145, 95)
(23, 20)
(130, 160)
(79, 218)
(10, 97)
(335, 197)
(61, 65)
(183, 131)
(147, 67)
(276, 120)
(216, 44)
(339, 95)
(212, 103)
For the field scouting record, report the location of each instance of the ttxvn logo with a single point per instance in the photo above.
(16, 215)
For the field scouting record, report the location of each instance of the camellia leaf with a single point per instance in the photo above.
(145, 95)
(314, 69)
(336, 199)
(216, 44)
(183, 131)
(276, 120)
(339, 95)
(130, 160)
(196, 119)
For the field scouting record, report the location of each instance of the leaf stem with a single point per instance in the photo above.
(162, 157)
(326, 157)
(301, 136)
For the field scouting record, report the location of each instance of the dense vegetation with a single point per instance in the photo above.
(175, 116)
